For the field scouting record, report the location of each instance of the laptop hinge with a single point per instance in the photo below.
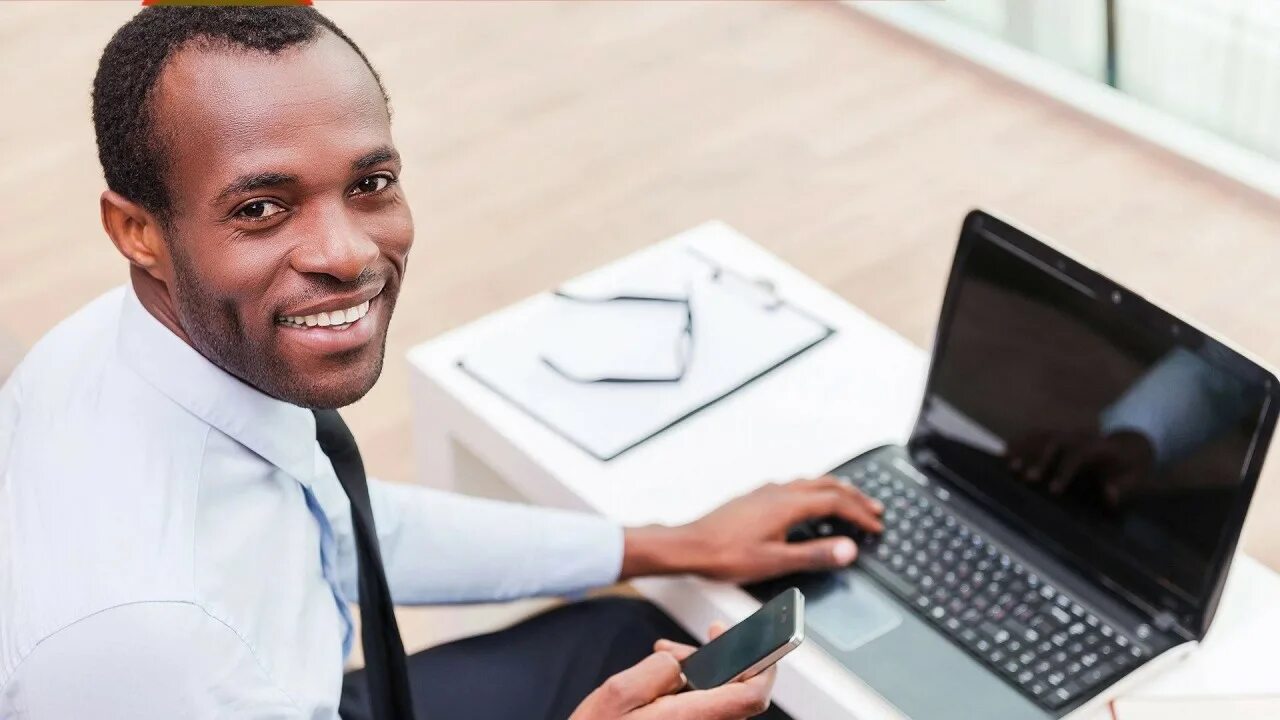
(1168, 622)
(1163, 620)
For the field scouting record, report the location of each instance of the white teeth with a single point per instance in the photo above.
(326, 319)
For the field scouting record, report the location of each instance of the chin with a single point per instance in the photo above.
(338, 390)
(325, 389)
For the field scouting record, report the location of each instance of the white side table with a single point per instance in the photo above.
(856, 390)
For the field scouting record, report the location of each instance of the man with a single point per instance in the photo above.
(185, 517)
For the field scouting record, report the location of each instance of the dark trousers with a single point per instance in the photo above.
(540, 669)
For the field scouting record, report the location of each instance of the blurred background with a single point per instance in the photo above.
(1212, 63)
(543, 139)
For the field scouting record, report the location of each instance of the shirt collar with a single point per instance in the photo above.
(281, 433)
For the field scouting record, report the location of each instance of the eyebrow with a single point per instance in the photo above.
(375, 157)
(256, 181)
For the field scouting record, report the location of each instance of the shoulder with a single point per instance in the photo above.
(99, 480)
(78, 341)
(144, 660)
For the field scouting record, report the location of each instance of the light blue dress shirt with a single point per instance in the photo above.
(174, 544)
(1180, 404)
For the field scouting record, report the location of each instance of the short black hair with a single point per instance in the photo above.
(132, 155)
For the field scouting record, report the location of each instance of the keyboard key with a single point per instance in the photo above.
(1063, 695)
(1097, 674)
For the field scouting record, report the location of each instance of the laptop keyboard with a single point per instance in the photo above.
(1029, 631)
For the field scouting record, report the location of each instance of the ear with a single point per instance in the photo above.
(137, 234)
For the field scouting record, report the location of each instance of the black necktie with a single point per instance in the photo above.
(384, 660)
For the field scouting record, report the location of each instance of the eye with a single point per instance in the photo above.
(372, 184)
(259, 209)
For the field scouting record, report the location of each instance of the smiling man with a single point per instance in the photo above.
(183, 515)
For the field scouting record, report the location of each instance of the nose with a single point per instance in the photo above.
(335, 247)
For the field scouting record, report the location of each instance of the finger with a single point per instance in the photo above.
(679, 650)
(715, 630)
(764, 681)
(1043, 462)
(1023, 450)
(824, 502)
(732, 701)
(831, 482)
(813, 555)
(655, 676)
(1114, 490)
(1068, 469)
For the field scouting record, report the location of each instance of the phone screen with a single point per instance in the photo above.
(773, 630)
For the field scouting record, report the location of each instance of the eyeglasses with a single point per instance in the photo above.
(758, 290)
(683, 349)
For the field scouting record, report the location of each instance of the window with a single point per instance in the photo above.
(1212, 63)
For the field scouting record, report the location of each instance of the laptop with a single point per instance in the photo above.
(1062, 519)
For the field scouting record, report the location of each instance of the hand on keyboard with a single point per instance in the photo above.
(746, 539)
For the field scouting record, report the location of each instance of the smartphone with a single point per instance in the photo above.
(750, 647)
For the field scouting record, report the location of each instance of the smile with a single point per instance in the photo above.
(334, 320)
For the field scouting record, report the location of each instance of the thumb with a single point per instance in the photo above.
(655, 676)
(824, 554)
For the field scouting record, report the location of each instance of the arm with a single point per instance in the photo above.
(441, 547)
(1180, 404)
(144, 661)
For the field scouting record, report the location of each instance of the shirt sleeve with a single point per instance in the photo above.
(440, 547)
(144, 661)
(1180, 404)
(10, 401)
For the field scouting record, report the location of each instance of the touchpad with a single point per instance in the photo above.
(848, 611)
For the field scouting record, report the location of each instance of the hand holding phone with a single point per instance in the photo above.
(751, 646)
(651, 689)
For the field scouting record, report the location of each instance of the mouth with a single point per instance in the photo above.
(329, 332)
(338, 320)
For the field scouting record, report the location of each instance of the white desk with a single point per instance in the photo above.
(858, 389)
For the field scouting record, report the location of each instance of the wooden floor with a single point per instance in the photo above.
(541, 140)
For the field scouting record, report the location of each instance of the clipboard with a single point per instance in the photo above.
(742, 330)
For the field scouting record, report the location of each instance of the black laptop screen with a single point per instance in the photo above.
(1122, 443)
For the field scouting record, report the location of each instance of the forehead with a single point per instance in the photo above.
(223, 111)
